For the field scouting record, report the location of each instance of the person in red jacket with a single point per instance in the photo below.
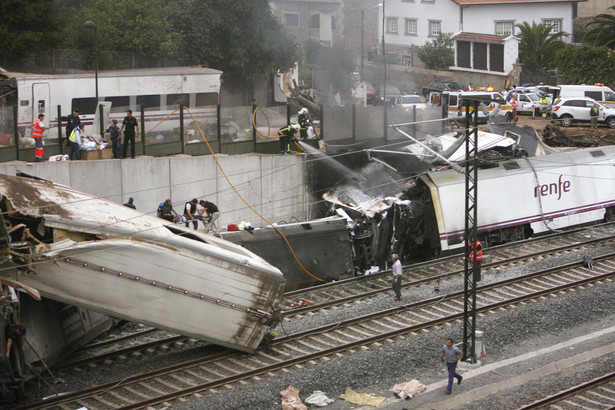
(478, 248)
(37, 133)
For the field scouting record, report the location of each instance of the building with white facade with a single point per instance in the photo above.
(411, 23)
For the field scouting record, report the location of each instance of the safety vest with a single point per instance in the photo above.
(479, 251)
(37, 129)
(73, 137)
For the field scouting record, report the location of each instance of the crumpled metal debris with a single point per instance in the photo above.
(364, 399)
(319, 399)
(291, 399)
(408, 390)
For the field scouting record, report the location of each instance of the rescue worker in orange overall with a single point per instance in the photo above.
(37, 133)
(479, 257)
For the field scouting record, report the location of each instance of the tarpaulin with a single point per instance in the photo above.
(364, 399)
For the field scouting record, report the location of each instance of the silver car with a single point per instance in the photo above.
(571, 110)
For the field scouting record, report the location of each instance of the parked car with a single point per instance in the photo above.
(571, 110)
(439, 87)
(392, 94)
(527, 102)
(408, 101)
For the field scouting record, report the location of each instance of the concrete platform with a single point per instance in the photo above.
(479, 383)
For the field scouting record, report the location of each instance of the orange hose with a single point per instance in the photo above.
(246, 202)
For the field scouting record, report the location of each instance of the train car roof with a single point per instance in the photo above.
(522, 165)
(155, 71)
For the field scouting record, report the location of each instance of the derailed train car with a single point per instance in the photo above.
(98, 255)
(516, 199)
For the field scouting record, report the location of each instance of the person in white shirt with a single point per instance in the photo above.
(396, 276)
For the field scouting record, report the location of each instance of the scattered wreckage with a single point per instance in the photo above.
(525, 188)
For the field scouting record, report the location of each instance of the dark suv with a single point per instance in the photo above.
(392, 94)
(439, 87)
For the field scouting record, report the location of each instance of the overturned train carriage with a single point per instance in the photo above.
(89, 252)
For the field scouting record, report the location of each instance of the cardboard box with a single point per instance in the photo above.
(90, 155)
(106, 153)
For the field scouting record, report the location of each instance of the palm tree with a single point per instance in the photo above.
(538, 46)
(601, 31)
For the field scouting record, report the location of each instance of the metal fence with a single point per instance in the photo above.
(226, 130)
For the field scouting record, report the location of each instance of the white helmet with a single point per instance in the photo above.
(303, 111)
(297, 127)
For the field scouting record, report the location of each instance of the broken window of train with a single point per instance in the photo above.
(597, 153)
(511, 165)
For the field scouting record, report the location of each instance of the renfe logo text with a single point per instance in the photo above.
(553, 189)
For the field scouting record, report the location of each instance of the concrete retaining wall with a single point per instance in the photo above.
(275, 185)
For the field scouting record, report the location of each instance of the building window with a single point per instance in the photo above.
(428, 1)
(333, 23)
(407, 1)
(406, 59)
(435, 28)
(504, 28)
(291, 19)
(392, 25)
(411, 27)
(556, 24)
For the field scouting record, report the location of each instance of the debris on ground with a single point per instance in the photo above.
(291, 399)
(408, 390)
(363, 399)
(319, 399)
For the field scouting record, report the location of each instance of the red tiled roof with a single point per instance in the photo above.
(512, 1)
(480, 38)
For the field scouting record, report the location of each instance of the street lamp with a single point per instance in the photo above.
(92, 25)
(384, 60)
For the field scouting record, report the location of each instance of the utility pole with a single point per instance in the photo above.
(471, 230)
(362, 46)
(384, 59)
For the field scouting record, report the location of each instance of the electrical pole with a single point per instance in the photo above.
(471, 231)
(384, 59)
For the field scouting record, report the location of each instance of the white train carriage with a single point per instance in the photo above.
(159, 91)
(102, 256)
(523, 197)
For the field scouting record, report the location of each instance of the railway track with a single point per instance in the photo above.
(595, 394)
(360, 288)
(310, 346)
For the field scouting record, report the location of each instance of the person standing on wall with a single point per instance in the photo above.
(72, 122)
(286, 134)
(305, 121)
(396, 276)
(75, 143)
(116, 141)
(132, 131)
(37, 133)
(451, 355)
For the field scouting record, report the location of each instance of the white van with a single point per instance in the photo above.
(600, 93)
(453, 100)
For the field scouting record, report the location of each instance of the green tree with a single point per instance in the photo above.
(240, 37)
(538, 46)
(585, 65)
(27, 27)
(438, 54)
(138, 26)
(601, 31)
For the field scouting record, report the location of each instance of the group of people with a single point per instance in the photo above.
(287, 134)
(194, 211)
(75, 135)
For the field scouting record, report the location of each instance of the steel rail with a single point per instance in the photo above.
(572, 392)
(349, 345)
